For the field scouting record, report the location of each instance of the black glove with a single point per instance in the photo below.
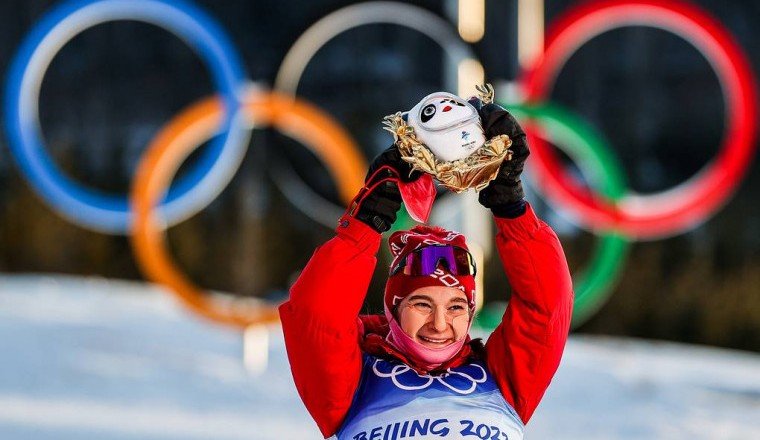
(378, 203)
(504, 195)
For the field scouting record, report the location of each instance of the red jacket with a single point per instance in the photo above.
(324, 338)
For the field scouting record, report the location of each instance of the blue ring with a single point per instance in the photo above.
(82, 205)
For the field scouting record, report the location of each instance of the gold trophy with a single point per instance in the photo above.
(442, 135)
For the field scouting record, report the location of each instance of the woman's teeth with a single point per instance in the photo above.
(433, 340)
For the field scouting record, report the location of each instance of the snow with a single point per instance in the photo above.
(93, 358)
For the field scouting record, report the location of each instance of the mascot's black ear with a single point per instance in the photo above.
(405, 116)
(476, 102)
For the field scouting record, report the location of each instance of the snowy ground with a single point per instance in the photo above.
(95, 359)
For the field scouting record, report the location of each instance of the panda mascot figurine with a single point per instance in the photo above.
(449, 126)
(443, 137)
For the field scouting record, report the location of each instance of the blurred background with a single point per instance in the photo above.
(113, 86)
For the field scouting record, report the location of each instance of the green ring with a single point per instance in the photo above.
(403, 221)
(590, 151)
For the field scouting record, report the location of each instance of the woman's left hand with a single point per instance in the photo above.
(505, 195)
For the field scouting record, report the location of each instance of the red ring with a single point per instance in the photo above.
(693, 201)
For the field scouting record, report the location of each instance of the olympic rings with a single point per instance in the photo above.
(617, 214)
(578, 140)
(669, 212)
(89, 208)
(320, 33)
(185, 133)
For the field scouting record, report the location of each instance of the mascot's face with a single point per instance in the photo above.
(441, 112)
(448, 125)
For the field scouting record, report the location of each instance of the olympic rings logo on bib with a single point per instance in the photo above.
(404, 378)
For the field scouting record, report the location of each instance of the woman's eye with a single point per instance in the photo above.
(422, 306)
(457, 310)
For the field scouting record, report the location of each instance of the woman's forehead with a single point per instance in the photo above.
(438, 294)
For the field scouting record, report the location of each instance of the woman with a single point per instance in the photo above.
(414, 372)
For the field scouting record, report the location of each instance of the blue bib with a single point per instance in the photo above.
(393, 402)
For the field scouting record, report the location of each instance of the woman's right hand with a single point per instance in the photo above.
(381, 200)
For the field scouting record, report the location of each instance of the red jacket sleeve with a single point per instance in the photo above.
(524, 351)
(320, 322)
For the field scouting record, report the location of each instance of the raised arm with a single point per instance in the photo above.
(320, 320)
(524, 351)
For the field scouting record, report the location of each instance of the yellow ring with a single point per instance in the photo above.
(183, 135)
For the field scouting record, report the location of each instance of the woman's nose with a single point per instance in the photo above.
(439, 319)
